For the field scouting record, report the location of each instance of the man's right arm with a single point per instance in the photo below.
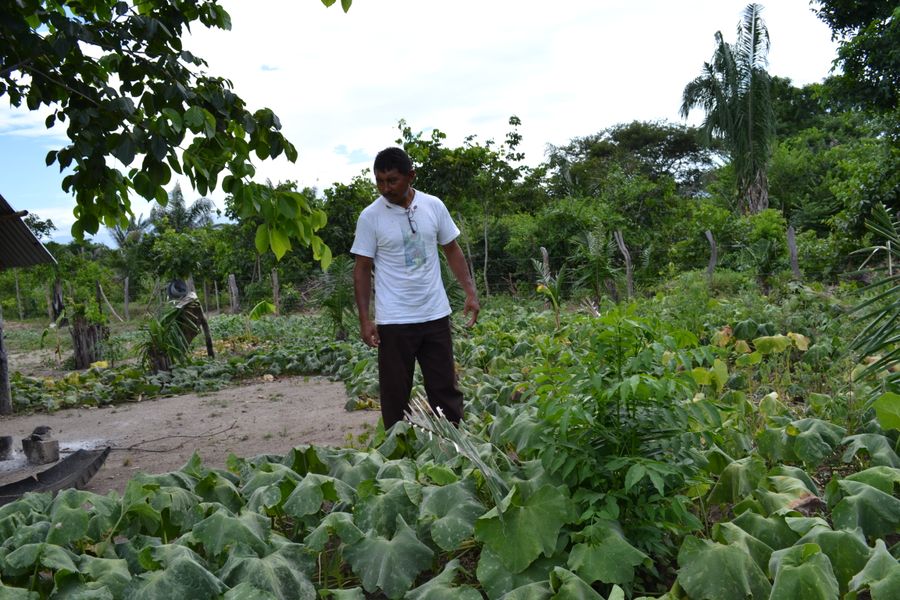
(362, 289)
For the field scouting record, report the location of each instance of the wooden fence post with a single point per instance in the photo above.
(127, 292)
(5, 390)
(713, 256)
(629, 267)
(233, 291)
(792, 247)
(216, 288)
(276, 292)
(19, 296)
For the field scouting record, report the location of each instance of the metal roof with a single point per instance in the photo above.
(18, 245)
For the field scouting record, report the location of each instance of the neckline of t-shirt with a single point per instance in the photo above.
(390, 204)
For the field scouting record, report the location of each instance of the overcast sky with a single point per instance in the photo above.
(341, 82)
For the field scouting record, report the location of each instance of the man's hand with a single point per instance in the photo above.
(369, 333)
(472, 307)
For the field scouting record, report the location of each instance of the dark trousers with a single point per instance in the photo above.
(400, 347)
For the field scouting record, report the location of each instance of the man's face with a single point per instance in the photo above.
(394, 185)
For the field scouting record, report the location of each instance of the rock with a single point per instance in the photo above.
(6, 447)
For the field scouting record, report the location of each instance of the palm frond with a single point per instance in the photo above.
(880, 313)
(447, 437)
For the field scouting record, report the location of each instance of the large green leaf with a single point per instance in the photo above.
(539, 590)
(816, 440)
(886, 479)
(380, 503)
(182, 578)
(881, 576)
(847, 551)
(772, 531)
(50, 556)
(566, 585)
(112, 573)
(339, 523)
(351, 594)
(13, 593)
(452, 510)
(772, 344)
(738, 480)
(223, 530)
(178, 508)
(213, 487)
(497, 580)
(802, 571)
(786, 495)
(887, 410)
(443, 586)
(605, 555)
(711, 571)
(389, 565)
(879, 448)
(70, 520)
(529, 527)
(868, 508)
(729, 533)
(312, 491)
(283, 573)
(247, 591)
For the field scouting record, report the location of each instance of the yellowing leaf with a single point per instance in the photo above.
(800, 340)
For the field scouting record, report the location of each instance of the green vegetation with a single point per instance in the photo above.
(702, 431)
(652, 448)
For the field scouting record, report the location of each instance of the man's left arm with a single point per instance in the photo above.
(460, 269)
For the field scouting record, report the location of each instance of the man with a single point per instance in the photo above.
(398, 235)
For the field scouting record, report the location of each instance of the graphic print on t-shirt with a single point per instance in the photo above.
(413, 250)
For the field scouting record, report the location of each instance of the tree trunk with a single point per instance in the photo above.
(629, 267)
(713, 256)
(206, 295)
(216, 288)
(276, 292)
(108, 303)
(233, 291)
(127, 292)
(792, 247)
(87, 341)
(757, 195)
(5, 391)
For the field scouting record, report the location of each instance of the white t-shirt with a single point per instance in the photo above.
(408, 286)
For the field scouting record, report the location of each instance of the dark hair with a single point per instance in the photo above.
(393, 158)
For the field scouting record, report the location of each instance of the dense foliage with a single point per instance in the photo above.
(729, 433)
(626, 450)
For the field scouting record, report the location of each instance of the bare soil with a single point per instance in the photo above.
(264, 416)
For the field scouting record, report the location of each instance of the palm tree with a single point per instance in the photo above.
(734, 91)
(131, 233)
(177, 216)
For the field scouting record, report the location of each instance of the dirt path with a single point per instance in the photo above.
(157, 436)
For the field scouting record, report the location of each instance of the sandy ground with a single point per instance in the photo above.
(156, 436)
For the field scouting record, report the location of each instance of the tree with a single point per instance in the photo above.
(132, 232)
(653, 149)
(178, 216)
(734, 91)
(40, 228)
(118, 75)
(343, 203)
(868, 35)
